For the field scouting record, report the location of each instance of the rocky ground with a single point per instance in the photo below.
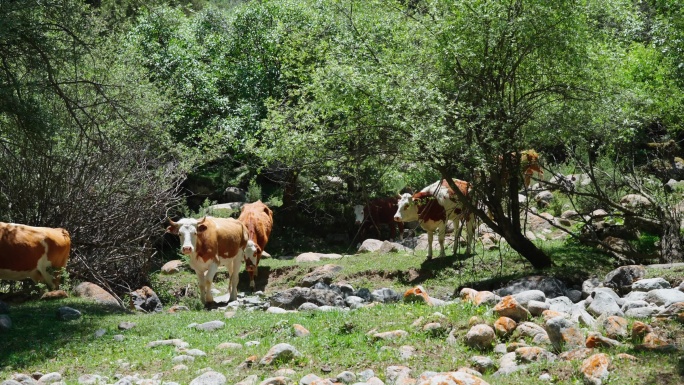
(537, 319)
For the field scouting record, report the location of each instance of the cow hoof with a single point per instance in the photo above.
(211, 305)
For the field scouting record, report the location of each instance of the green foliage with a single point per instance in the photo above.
(253, 191)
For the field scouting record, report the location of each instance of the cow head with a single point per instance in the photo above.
(252, 250)
(187, 229)
(358, 214)
(408, 210)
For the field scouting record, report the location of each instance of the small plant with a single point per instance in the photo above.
(253, 191)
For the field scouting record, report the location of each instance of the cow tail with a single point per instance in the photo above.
(66, 235)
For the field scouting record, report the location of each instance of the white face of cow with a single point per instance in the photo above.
(407, 212)
(358, 214)
(187, 229)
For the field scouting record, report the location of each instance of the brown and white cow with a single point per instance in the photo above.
(212, 242)
(378, 212)
(30, 252)
(432, 207)
(258, 219)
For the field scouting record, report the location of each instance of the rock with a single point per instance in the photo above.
(537, 307)
(91, 379)
(234, 194)
(300, 331)
(642, 312)
(544, 198)
(589, 285)
(576, 354)
(280, 380)
(468, 295)
(182, 358)
(480, 337)
(673, 311)
(96, 293)
(531, 330)
(526, 296)
(293, 298)
(370, 246)
(145, 300)
(550, 286)
(615, 327)
(486, 298)
(280, 352)
(391, 335)
(453, 378)
(229, 346)
(596, 340)
(595, 369)
(564, 334)
(582, 317)
(604, 303)
(324, 274)
(50, 378)
(508, 364)
(172, 267)
(210, 378)
(397, 374)
(650, 284)
(561, 304)
(664, 297)
(210, 326)
(534, 354)
(315, 257)
(509, 307)
(504, 326)
(548, 314)
(175, 342)
(624, 276)
(4, 308)
(482, 364)
(124, 325)
(66, 313)
(5, 322)
(385, 295)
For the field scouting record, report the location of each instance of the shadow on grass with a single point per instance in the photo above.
(37, 335)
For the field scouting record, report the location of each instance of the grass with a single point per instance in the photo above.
(339, 340)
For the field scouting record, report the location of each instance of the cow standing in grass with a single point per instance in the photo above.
(30, 252)
(210, 243)
(258, 219)
(432, 207)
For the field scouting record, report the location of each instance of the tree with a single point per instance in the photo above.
(80, 147)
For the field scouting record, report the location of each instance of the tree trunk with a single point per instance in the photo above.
(526, 248)
(671, 248)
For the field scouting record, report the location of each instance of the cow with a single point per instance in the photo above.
(212, 242)
(378, 212)
(258, 219)
(432, 207)
(529, 162)
(529, 165)
(30, 252)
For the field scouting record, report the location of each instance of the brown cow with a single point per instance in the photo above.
(258, 219)
(28, 252)
(212, 242)
(378, 212)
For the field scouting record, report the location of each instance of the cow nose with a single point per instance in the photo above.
(358, 222)
(187, 249)
(397, 219)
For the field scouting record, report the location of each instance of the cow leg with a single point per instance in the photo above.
(208, 280)
(234, 270)
(430, 237)
(202, 286)
(401, 230)
(442, 234)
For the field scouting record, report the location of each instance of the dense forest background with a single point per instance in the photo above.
(115, 115)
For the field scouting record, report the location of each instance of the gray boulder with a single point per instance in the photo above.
(5, 322)
(552, 287)
(623, 277)
(66, 313)
(664, 297)
(385, 295)
(525, 297)
(604, 303)
(564, 334)
(291, 299)
(145, 300)
(210, 378)
(324, 274)
(650, 284)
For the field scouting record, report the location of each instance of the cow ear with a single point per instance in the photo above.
(201, 227)
(172, 229)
